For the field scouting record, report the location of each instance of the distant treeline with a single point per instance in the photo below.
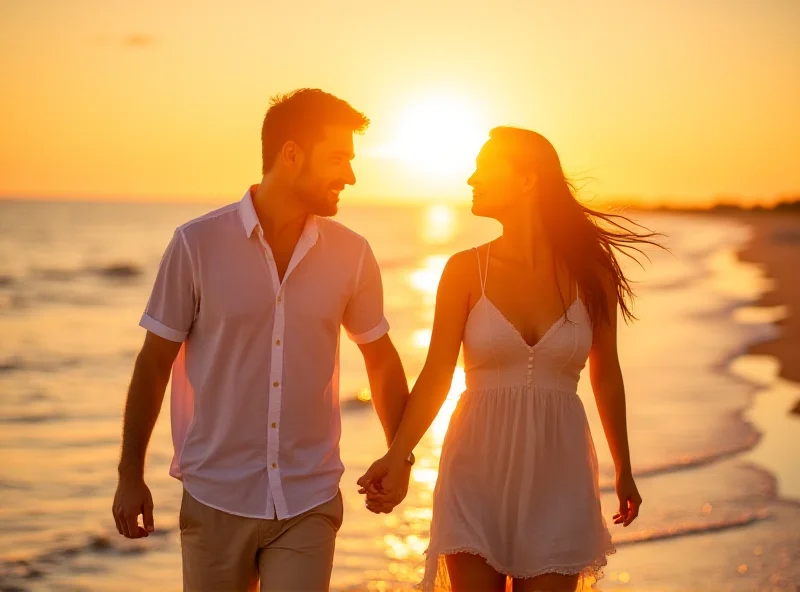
(791, 205)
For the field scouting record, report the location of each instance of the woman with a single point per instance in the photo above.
(517, 493)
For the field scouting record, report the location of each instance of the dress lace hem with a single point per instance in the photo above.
(436, 578)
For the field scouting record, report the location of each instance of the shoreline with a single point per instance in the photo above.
(754, 547)
(775, 246)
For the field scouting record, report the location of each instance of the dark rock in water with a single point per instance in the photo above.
(70, 552)
(10, 365)
(100, 544)
(796, 409)
(34, 574)
(355, 404)
(120, 271)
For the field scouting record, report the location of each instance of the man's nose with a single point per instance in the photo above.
(350, 176)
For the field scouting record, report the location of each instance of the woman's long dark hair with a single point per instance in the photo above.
(584, 240)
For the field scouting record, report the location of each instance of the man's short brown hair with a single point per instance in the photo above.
(301, 116)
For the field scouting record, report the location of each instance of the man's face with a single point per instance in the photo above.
(326, 170)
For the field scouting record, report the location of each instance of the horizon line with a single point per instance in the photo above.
(606, 199)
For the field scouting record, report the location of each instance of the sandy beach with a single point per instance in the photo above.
(775, 245)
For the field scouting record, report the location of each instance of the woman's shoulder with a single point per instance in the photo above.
(463, 268)
(470, 256)
(464, 260)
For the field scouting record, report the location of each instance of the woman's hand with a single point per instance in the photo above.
(629, 499)
(385, 483)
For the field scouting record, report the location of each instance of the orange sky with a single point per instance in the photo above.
(165, 99)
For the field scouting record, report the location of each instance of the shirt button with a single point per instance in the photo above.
(274, 425)
(277, 342)
(274, 466)
(280, 298)
(276, 384)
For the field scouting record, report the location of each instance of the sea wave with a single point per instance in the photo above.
(112, 271)
(118, 271)
(694, 461)
(16, 571)
(32, 418)
(73, 286)
(673, 284)
(11, 365)
(20, 364)
(690, 528)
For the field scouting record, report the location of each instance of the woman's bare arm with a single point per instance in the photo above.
(609, 392)
(433, 384)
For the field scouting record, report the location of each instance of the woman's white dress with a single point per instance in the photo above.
(518, 481)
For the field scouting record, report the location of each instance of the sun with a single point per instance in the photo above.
(439, 135)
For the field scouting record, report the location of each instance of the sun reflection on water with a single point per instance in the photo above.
(408, 525)
(439, 427)
(426, 278)
(439, 224)
(409, 532)
(421, 338)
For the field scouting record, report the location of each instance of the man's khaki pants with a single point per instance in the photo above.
(227, 553)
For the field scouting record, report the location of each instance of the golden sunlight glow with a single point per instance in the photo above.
(404, 547)
(439, 224)
(457, 386)
(421, 338)
(426, 471)
(426, 279)
(438, 136)
(140, 114)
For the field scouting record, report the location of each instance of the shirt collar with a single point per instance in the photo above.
(247, 212)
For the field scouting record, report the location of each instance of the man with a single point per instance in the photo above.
(246, 313)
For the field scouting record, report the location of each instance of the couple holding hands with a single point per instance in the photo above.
(245, 316)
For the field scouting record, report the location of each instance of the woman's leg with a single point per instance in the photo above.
(547, 583)
(471, 573)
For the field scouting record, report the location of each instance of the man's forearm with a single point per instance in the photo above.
(145, 397)
(389, 388)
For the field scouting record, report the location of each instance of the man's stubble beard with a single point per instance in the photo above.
(315, 203)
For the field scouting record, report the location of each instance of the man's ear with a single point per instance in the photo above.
(292, 155)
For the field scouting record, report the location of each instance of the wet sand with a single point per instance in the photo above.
(775, 246)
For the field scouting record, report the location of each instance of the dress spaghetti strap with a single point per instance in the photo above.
(483, 273)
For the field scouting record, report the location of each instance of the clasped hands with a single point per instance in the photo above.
(385, 483)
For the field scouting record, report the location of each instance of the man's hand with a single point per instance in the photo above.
(131, 499)
(385, 484)
(145, 395)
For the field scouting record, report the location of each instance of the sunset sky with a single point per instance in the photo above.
(678, 99)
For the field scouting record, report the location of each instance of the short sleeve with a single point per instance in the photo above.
(363, 318)
(170, 310)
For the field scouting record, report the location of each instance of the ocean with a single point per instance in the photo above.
(721, 509)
